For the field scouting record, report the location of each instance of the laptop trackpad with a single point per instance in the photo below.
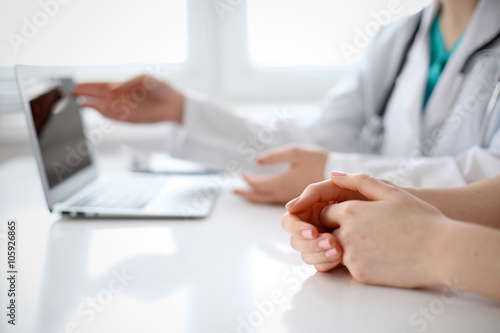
(189, 196)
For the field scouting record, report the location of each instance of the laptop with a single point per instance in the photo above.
(65, 157)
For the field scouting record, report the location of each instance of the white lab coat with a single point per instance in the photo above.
(214, 134)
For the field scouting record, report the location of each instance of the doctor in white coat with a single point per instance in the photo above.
(390, 117)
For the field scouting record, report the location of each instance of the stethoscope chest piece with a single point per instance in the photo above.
(372, 133)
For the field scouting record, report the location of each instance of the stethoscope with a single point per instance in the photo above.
(372, 134)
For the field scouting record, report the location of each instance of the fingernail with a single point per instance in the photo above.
(332, 253)
(324, 243)
(293, 201)
(338, 174)
(307, 233)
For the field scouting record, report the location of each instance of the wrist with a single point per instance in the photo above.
(322, 165)
(177, 108)
(328, 165)
(441, 256)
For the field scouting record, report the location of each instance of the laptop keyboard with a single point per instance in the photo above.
(127, 191)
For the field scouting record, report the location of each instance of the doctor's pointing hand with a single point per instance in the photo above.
(419, 109)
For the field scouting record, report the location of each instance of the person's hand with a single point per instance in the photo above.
(318, 250)
(306, 166)
(315, 241)
(143, 99)
(394, 239)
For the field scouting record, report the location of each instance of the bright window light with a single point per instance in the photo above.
(94, 32)
(285, 33)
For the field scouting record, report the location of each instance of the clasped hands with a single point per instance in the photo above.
(380, 232)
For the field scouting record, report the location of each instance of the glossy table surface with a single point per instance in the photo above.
(231, 272)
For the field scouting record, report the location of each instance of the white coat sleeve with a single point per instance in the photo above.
(213, 133)
(445, 171)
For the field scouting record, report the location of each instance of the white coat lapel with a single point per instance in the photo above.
(403, 116)
(402, 121)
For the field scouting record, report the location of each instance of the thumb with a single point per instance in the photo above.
(287, 154)
(371, 188)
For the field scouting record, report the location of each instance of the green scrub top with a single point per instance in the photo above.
(438, 58)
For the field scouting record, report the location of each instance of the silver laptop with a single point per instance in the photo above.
(66, 161)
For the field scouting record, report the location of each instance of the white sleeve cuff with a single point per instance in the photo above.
(344, 162)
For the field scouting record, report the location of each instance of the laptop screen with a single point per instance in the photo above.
(56, 116)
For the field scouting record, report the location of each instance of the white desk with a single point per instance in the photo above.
(231, 272)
